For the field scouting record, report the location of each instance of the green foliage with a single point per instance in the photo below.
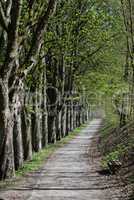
(114, 155)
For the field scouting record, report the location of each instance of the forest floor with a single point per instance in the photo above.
(70, 173)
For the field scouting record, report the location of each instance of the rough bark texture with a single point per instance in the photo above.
(44, 112)
(26, 133)
(36, 123)
(17, 140)
(6, 134)
(51, 129)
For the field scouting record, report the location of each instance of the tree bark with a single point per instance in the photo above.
(58, 125)
(7, 169)
(51, 129)
(44, 112)
(63, 120)
(71, 115)
(36, 123)
(74, 115)
(17, 134)
(26, 133)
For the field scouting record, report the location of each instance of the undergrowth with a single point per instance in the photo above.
(117, 144)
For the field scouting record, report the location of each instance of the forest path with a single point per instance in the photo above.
(69, 174)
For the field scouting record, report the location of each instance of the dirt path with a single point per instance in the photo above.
(68, 174)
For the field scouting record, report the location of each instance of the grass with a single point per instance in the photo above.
(40, 158)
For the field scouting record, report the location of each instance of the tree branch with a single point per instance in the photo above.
(3, 19)
(41, 26)
(12, 36)
(30, 3)
(8, 7)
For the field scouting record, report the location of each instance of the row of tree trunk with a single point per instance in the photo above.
(39, 100)
(42, 114)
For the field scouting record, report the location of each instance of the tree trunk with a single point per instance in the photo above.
(17, 135)
(63, 120)
(79, 116)
(74, 115)
(67, 118)
(44, 128)
(44, 112)
(52, 114)
(71, 115)
(83, 115)
(58, 125)
(26, 133)
(36, 124)
(7, 169)
(51, 129)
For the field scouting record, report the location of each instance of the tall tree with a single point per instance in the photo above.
(17, 61)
